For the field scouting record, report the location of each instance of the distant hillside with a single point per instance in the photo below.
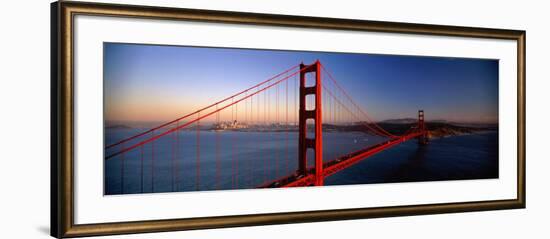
(400, 121)
(411, 121)
(439, 129)
(435, 129)
(117, 126)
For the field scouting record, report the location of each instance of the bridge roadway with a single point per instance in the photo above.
(338, 164)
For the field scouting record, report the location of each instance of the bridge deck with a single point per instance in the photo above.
(335, 165)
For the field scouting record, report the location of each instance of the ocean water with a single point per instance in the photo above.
(242, 160)
(473, 156)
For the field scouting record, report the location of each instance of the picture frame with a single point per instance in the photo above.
(63, 118)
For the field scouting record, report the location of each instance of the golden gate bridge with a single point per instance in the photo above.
(321, 102)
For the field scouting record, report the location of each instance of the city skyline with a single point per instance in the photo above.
(152, 83)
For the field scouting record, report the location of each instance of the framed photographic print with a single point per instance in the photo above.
(172, 119)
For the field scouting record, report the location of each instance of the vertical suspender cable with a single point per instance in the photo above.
(141, 167)
(198, 161)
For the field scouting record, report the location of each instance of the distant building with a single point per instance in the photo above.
(229, 125)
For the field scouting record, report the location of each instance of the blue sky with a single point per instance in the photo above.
(159, 83)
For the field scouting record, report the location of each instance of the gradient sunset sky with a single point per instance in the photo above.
(151, 83)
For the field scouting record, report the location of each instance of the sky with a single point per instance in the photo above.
(154, 83)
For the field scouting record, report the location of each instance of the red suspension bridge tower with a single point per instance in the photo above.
(315, 143)
(423, 138)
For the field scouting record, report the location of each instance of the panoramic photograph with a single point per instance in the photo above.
(191, 118)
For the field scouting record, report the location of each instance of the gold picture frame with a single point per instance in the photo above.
(62, 161)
